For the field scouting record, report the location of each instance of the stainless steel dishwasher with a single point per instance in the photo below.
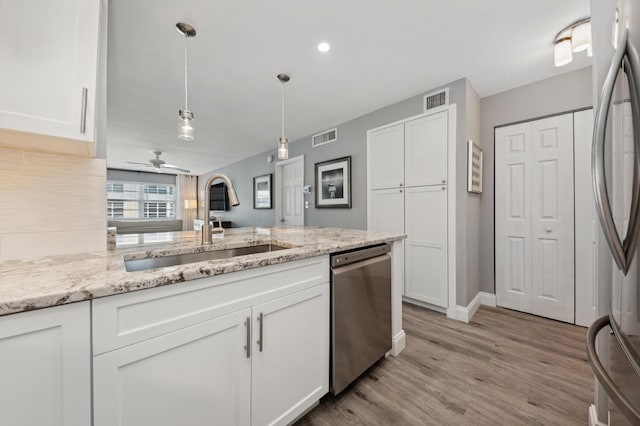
(360, 312)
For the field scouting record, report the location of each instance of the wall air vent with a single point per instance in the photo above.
(433, 100)
(324, 137)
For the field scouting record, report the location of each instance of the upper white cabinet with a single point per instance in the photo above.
(386, 157)
(45, 365)
(49, 53)
(425, 150)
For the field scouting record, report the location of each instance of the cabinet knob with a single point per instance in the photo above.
(444, 181)
(444, 188)
(400, 184)
(401, 190)
(548, 229)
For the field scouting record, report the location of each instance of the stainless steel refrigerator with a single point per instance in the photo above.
(615, 356)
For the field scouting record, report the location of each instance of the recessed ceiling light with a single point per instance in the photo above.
(324, 47)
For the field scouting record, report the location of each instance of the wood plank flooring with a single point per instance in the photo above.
(504, 368)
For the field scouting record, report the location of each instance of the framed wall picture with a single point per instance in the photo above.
(262, 192)
(474, 168)
(333, 183)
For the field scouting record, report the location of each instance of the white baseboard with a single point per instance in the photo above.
(465, 313)
(399, 343)
(593, 417)
(487, 299)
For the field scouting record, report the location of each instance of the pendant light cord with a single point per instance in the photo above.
(283, 109)
(186, 73)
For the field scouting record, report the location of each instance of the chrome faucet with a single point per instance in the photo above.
(233, 199)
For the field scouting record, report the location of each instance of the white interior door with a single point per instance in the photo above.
(534, 212)
(289, 197)
(552, 285)
(426, 150)
(513, 216)
(586, 217)
(426, 244)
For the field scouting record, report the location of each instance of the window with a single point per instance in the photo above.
(140, 201)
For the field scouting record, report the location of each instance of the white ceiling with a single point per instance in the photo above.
(382, 52)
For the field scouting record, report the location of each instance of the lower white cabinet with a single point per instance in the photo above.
(45, 366)
(426, 244)
(200, 375)
(248, 348)
(291, 355)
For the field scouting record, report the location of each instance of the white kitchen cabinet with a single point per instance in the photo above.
(45, 365)
(200, 375)
(426, 244)
(290, 356)
(386, 210)
(386, 157)
(425, 150)
(49, 67)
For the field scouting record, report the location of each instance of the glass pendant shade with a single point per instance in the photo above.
(283, 148)
(185, 125)
(581, 37)
(562, 54)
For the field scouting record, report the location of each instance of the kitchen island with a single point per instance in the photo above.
(243, 339)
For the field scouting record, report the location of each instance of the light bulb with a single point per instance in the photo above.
(562, 54)
(581, 37)
(185, 125)
(324, 47)
(283, 148)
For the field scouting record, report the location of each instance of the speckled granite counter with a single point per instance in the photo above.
(56, 280)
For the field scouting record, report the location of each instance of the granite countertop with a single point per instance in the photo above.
(56, 280)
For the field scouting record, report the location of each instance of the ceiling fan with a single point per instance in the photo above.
(159, 164)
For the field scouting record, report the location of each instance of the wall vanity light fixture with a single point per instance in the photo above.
(185, 117)
(283, 143)
(574, 38)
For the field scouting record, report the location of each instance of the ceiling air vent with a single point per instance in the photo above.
(433, 100)
(324, 137)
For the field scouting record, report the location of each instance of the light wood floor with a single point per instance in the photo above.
(504, 368)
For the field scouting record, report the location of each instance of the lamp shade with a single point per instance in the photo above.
(562, 54)
(190, 204)
(581, 37)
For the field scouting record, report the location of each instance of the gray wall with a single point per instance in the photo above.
(558, 94)
(352, 140)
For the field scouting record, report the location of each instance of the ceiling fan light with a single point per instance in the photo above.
(185, 125)
(562, 54)
(581, 37)
(283, 148)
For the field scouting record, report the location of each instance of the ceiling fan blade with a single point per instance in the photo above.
(140, 164)
(176, 168)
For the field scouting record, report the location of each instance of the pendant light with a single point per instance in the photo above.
(283, 143)
(185, 117)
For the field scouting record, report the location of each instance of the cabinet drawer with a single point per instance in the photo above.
(129, 318)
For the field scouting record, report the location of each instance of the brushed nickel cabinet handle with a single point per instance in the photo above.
(83, 111)
(247, 347)
(260, 337)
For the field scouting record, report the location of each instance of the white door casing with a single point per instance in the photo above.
(426, 150)
(534, 213)
(586, 227)
(289, 200)
(386, 155)
(426, 244)
(513, 217)
(552, 286)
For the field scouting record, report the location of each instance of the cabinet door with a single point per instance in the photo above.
(386, 210)
(426, 150)
(199, 375)
(386, 157)
(45, 365)
(290, 355)
(426, 244)
(50, 53)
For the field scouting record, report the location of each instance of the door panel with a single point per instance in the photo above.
(387, 211)
(426, 244)
(387, 157)
(513, 217)
(292, 209)
(426, 150)
(553, 219)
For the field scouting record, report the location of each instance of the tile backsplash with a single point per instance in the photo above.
(51, 204)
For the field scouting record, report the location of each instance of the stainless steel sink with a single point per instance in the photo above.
(133, 265)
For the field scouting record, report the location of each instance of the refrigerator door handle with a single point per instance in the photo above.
(622, 251)
(614, 392)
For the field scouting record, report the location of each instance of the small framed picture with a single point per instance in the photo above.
(474, 168)
(262, 192)
(333, 183)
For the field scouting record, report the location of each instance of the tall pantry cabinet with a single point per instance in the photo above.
(408, 193)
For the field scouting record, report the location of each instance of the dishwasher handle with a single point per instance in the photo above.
(342, 259)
